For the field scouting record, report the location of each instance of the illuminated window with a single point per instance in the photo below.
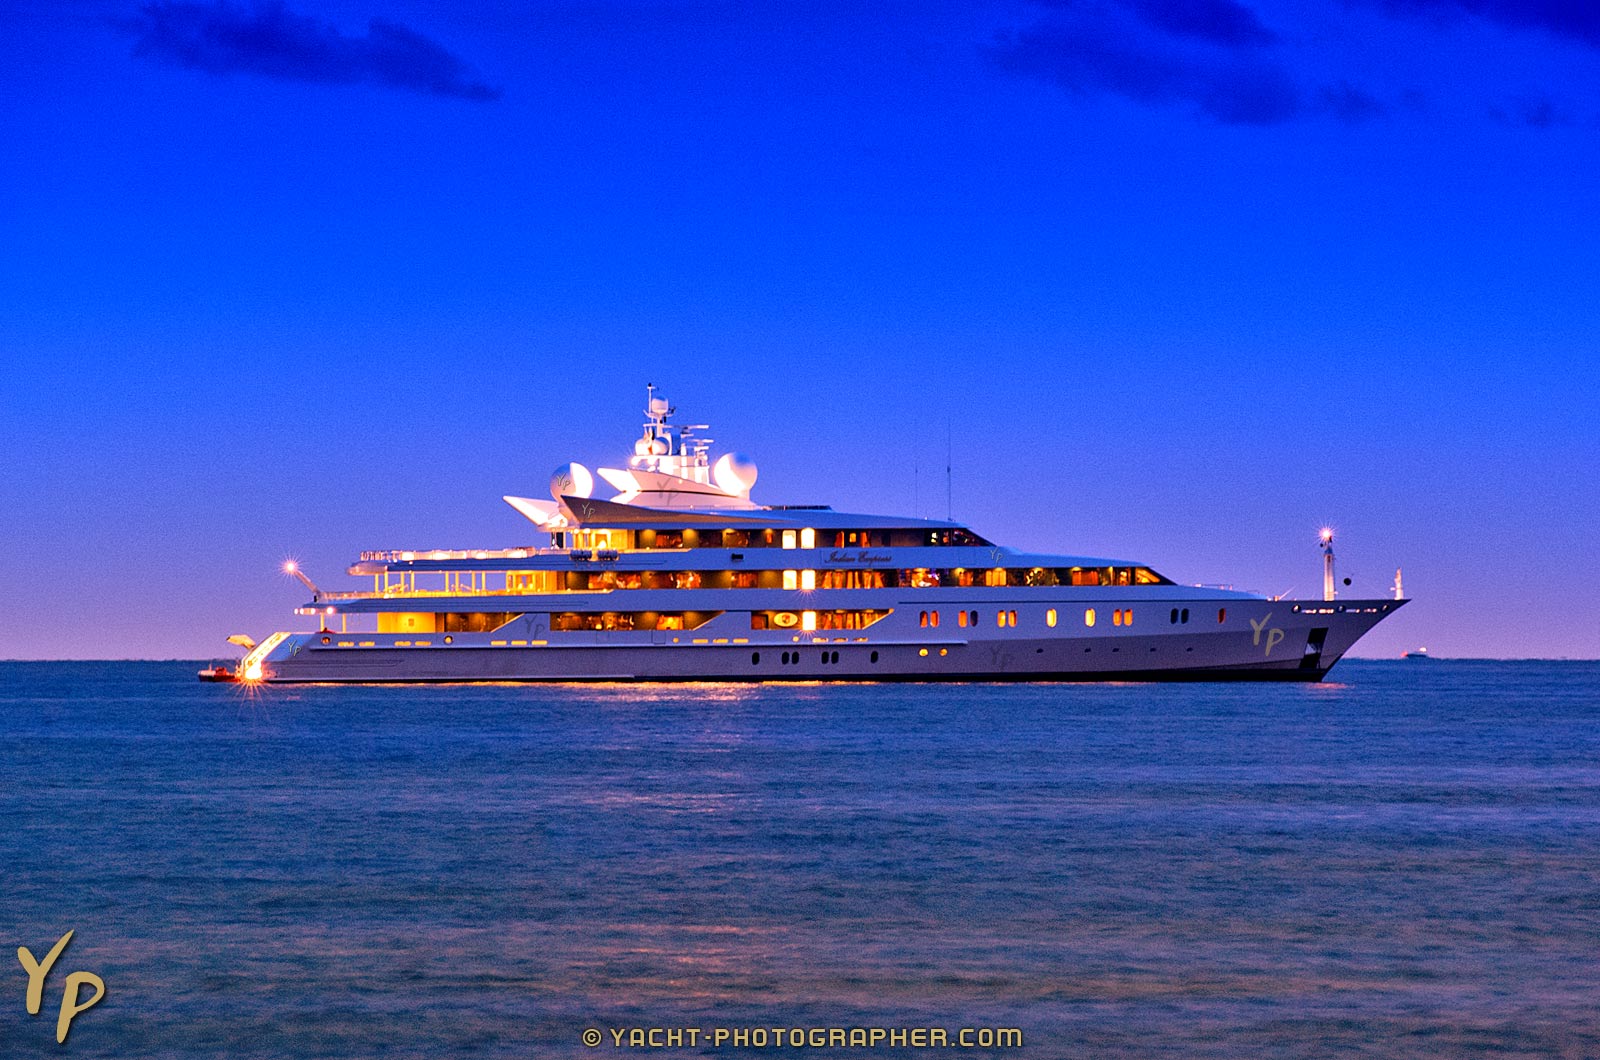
(933, 619)
(808, 620)
(944, 651)
(1116, 617)
(1127, 616)
(791, 579)
(1050, 618)
(1088, 617)
(922, 618)
(788, 539)
(1011, 617)
(961, 618)
(922, 651)
(808, 538)
(1000, 618)
(808, 579)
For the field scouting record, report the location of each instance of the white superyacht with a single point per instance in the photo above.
(680, 576)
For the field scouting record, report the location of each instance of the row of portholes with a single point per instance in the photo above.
(1180, 615)
(791, 658)
(1002, 619)
(1122, 616)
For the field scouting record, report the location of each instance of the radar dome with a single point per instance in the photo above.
(734, 473)
(571, 480)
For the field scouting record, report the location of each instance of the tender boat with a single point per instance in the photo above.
(219, 672)
(680, 576)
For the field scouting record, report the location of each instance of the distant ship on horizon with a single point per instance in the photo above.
(1419, 653)
(680, 576)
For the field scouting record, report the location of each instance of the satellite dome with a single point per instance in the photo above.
(734, 473)
(571, 480)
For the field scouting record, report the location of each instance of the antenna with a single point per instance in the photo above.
(916, 488)
(949, 505)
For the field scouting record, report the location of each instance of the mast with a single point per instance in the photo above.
(1326, 541)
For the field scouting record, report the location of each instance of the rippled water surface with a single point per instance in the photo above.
(1402, 862)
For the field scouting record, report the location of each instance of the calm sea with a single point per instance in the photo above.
(1404, 861)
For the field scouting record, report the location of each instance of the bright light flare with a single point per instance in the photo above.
(1326, 534)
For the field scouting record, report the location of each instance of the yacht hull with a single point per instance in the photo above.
(1277, 644)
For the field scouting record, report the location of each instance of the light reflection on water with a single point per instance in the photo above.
(1403, 863)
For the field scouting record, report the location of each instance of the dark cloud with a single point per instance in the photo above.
(1534, 112)
(1575, 19)
(1218, 21)
(1128, 51)
(1350, 104)
(271, 41)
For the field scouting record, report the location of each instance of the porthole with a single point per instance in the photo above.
(1011, 619)
(835, 657)
(874, 656)
(449, 640)
(1088, 617)
(785, 659)
(944, 651)
(922, 619)
(1174, 618)
(327, 640)
(1000, 619)
(973, 619)
(1222, 615)
(755, 658)
(1050, 618)
(961, 618)
(1116, 617)
(1183, 616)
(933, 619)
(922, 652)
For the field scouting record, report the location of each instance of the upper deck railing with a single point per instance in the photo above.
(394, 555)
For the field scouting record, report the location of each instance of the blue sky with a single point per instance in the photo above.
(1183, 281)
